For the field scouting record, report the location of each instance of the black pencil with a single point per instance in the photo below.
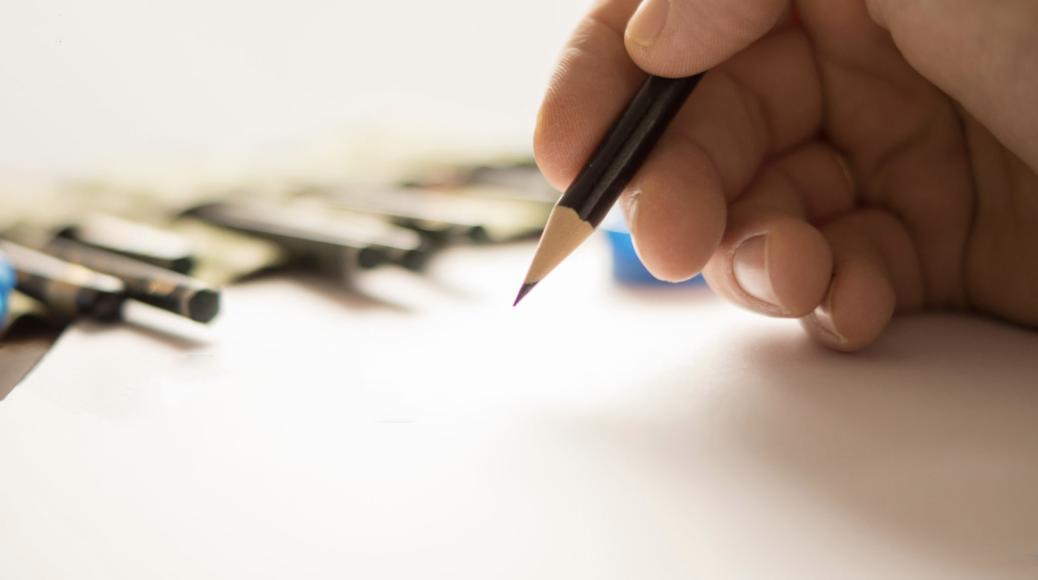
(610, 168)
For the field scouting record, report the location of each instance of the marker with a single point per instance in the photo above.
(68, 290)
(336, 243)
(473, 214)
(147, 283)
(139, 241)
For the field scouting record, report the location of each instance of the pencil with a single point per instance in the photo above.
(608, 171)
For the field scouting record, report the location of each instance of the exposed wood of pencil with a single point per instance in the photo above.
(610, 168)
(563, 234)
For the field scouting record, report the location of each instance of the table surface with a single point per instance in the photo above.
(422, 428)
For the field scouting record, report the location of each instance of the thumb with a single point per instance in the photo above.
(681, 37)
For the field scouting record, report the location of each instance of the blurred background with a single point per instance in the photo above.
(93, 85)
(118, 109)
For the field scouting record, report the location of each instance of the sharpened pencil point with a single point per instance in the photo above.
(523, 292)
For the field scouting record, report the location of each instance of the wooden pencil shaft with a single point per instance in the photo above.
(625, 147)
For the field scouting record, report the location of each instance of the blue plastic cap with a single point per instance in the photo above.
(627, 266)
(7, 282)
(7, 275)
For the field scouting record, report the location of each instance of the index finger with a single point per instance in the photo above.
(597, 76)
(764, 100)
(594, 80)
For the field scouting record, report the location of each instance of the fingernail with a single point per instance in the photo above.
(750, 266)
(823, 316)
(629, 207)
(647, 23)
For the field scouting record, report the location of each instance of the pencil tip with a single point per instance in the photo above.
(523, 292)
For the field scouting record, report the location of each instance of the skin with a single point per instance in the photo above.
(843, 161)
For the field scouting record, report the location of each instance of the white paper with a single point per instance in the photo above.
(593, 432)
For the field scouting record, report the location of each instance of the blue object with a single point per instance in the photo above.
(627, 266)
(7, 281)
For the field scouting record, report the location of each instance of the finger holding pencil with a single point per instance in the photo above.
(837, 164)
(702, 151)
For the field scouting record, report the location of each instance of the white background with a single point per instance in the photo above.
(86, 85)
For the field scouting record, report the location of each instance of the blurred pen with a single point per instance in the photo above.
(336, 243)
(68, 290)
(135, 240)
(150, 284)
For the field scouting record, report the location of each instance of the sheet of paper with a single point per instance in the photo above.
(426, 429)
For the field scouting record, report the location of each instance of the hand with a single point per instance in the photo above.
(838, 163)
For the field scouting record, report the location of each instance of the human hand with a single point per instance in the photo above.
(859, 159)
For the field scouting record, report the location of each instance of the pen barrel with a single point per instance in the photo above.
(625, 147)
(152, 285)
(67, 289)
(140, 242)
(331, 240)
(68, 299)
(408, 209)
